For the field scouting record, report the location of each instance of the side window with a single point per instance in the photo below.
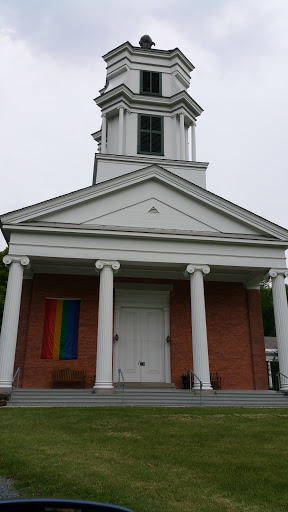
(150, 134)
(150, 83)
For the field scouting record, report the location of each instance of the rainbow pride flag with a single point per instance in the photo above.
(61, 324)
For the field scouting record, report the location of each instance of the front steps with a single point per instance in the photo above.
(145, 396)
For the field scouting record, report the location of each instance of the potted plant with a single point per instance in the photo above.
(184, 377)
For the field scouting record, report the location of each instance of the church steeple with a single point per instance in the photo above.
(147, 115)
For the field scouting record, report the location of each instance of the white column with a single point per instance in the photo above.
(186, 145)
(199, 329)
(193, 142)
(167, 345)
(175, 137)
(105, 325)
(269, 374)
(281, 321)
(182, 137)
(103, 133)
(10, 321)
(120, 130)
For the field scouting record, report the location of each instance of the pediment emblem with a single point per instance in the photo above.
(153, 210)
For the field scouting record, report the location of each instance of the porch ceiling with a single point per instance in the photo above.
(150, 270)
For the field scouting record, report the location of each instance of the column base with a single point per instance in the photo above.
(103, 387)
(103, 391)
(204, 391)
(206, 386)
(5, 386)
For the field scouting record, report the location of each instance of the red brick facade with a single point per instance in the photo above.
(234, 328)
(37, 371)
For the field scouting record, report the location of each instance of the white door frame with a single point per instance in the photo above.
(138, 295)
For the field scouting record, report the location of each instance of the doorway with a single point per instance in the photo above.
(141, 345)
(142, 325)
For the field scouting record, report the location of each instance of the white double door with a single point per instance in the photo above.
(141, 342)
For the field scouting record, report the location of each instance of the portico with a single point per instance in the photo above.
(138, 325)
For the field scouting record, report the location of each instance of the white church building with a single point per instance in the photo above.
(145, 270)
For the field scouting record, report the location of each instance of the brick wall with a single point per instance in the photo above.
(37, 371)
(257, 339)
(229, 334)
(181, 332)
(234, 328)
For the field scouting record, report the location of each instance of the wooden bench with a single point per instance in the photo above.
(68, 378)
(215, 380)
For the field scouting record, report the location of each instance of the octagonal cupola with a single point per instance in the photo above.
(147, 115)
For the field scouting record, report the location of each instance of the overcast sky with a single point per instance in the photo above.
(51, 69)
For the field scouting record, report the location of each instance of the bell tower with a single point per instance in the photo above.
(148, 117)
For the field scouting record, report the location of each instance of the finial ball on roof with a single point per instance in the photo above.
(146, 42)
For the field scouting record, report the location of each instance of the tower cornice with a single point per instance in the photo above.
(122, 93)
(152, 52)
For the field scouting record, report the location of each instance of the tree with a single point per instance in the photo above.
(267, 308)
(3, 282)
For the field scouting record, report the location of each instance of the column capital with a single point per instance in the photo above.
(274, 272)
(103, 115)
(125, 109)
(190, 269)
(115, 265)
(23, 260)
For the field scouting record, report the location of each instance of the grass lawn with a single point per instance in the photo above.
(150, 459)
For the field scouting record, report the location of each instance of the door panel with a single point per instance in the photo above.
(142, 340)
(129, 345)
(152, 346)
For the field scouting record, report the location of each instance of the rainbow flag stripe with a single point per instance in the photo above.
(61, 324)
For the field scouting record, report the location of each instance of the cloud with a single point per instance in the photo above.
(46, 113)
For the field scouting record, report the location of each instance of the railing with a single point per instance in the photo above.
(17, 374)
(278, 375)
(122, 384)
(200, 381)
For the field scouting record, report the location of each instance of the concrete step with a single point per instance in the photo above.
(150, 390)
(147, 396)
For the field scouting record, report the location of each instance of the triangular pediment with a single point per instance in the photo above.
(151, 198)
(152, 213)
